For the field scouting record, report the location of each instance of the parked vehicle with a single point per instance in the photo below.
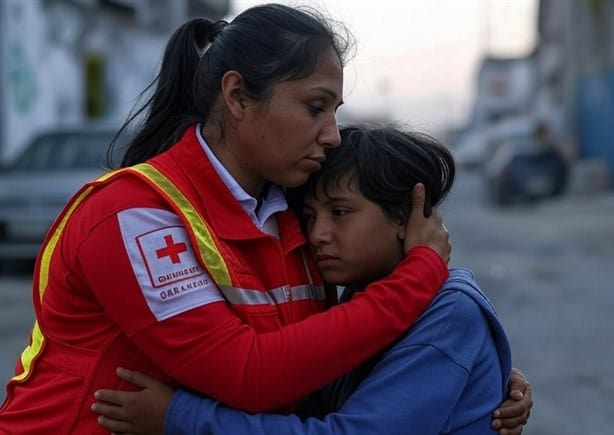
(523, 169)
(475, 146)
(470, 149)
(39, 182)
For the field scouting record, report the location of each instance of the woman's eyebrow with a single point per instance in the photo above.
(330, 93)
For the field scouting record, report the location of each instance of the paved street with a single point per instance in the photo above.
(547, 268)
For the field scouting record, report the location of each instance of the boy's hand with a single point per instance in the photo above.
(139, 413)
(421, 230)
(513, 414)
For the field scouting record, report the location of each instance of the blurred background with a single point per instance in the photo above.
(522, 91)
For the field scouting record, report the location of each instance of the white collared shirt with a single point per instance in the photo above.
(274, 202)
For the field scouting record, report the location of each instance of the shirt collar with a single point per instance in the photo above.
(273, 202)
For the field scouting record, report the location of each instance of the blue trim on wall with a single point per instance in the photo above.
(595, 117)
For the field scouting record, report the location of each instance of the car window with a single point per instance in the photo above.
(36, 155)
(87, 151)
(65, 151)
(523, 160)
(66, 154)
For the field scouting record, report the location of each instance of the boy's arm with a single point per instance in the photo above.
(144, 412)
(378, 406)
(361, 415)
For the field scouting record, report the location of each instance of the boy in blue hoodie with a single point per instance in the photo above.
(446, 375)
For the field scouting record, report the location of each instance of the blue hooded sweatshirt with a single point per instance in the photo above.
(446, 375)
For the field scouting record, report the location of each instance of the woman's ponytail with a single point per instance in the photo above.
(170, 109)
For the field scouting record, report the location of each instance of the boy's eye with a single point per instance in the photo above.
(307, 221)
(307, 217)
(340, 212)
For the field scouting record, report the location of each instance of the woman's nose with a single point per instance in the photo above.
(329, 135)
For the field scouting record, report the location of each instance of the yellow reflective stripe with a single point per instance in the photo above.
(33, 349)
(53, 240)
(37, 338)
(211, 256)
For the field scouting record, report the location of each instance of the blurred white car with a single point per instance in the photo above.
(39, 182)
(476, 146)
(525, 170)
(470, 150)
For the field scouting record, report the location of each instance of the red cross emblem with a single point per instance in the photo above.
(171, 249)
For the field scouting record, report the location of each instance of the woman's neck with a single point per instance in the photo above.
(257, 188)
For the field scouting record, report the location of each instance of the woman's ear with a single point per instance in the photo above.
(232, 92)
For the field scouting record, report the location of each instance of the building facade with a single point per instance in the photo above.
(576, 73)
(73, 61)
(566, 82)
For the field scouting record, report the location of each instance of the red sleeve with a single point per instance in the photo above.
(210, 350)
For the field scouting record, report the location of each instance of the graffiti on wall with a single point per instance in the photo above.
(21, 79)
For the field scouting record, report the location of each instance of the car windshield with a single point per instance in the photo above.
(65, 151)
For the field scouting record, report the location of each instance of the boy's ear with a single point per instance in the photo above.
(232, 92)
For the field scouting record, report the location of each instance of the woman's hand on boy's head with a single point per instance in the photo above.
(135, 412)
(427, 231)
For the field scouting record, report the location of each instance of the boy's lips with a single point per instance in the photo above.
(325, 258)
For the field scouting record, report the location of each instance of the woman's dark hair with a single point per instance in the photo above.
(385, 163)
(266, 44)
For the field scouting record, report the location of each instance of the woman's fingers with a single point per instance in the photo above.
(418, 198)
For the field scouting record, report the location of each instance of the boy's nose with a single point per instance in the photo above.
(319, 233)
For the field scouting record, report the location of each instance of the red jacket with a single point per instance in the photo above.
(113, 287)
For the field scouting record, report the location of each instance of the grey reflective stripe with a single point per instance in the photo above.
(275, 296)
(315, 292)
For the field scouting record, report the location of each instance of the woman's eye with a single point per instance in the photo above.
(340, 212)
(315, 109)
